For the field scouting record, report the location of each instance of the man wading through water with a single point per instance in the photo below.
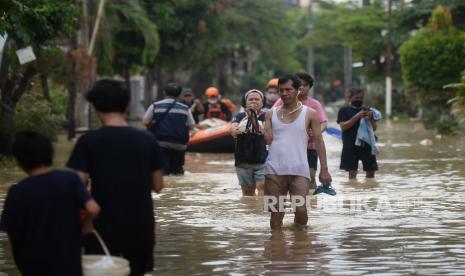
(286, 169)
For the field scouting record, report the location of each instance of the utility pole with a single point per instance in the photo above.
(347, 68)
(388, 61)
(310, 55)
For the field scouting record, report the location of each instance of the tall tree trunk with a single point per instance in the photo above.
(44, 86)
(127, 79)
(72, 92)
(6, 123)
(159, 82)
(200, 81)
(149, 82)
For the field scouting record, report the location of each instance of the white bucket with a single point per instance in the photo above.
(105, 265)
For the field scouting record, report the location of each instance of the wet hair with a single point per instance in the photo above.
(307, 78)
(32, 149)
(173, 90)
(109, 96)
(290, 77)
(354, 91)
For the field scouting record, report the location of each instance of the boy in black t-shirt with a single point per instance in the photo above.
(124, 165)
(42, 212)
(349, 118)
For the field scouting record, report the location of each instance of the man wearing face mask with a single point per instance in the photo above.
(349, 118)
(214, 108)
(271, 94)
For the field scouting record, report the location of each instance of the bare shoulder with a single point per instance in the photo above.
(311, 113)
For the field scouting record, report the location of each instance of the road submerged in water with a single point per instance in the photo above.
(407, 221)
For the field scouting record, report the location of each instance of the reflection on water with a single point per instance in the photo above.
(409, 220)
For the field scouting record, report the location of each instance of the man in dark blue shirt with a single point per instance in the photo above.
(170, 121)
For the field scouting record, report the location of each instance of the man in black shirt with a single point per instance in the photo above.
(124, 165)
(42, 212)
(348, 118)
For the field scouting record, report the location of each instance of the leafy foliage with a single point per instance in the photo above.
(127, 39)
(432, 58)
(42, 116)
(37, 21)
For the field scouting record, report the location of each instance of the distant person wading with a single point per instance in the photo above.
(170, 121)
(287, 169)
(350, 119)
(214, 107)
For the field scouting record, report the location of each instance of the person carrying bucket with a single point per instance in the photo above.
(214, 107)
(250, 175)
(125, 165)
(41, 213)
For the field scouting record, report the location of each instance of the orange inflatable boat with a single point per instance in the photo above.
(215, 137)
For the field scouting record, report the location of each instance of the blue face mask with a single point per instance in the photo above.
(272, 97)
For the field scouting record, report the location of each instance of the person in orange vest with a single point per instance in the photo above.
(214, 107)
(271, 94)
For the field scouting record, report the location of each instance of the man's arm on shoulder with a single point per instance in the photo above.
(268, 127)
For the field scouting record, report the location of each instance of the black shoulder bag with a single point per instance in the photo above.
(251, 146)
(153, 127)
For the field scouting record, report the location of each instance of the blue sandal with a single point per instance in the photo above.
(325, 189)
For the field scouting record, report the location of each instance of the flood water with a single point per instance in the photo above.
(411, 220)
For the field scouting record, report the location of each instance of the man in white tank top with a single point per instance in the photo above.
(286, 168)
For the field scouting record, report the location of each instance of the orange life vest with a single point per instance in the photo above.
(229, 104)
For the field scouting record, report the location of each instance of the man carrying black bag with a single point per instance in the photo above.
(250, 153)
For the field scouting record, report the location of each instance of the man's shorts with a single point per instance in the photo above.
(352, 154)
(312, 157)
(250, 174)
(280, 185)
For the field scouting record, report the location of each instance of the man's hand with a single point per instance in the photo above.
(236, 130)
(369, 115)
(361, 114)
(87, 227)
(325, 177)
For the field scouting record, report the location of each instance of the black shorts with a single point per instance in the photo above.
(352, 154)
(140, 259)
(312, 157)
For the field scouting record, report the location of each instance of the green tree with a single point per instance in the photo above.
(432, 58)
(458, 102)
(127, 40)
(40, 23)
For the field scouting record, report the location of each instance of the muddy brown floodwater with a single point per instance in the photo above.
(410, 220)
